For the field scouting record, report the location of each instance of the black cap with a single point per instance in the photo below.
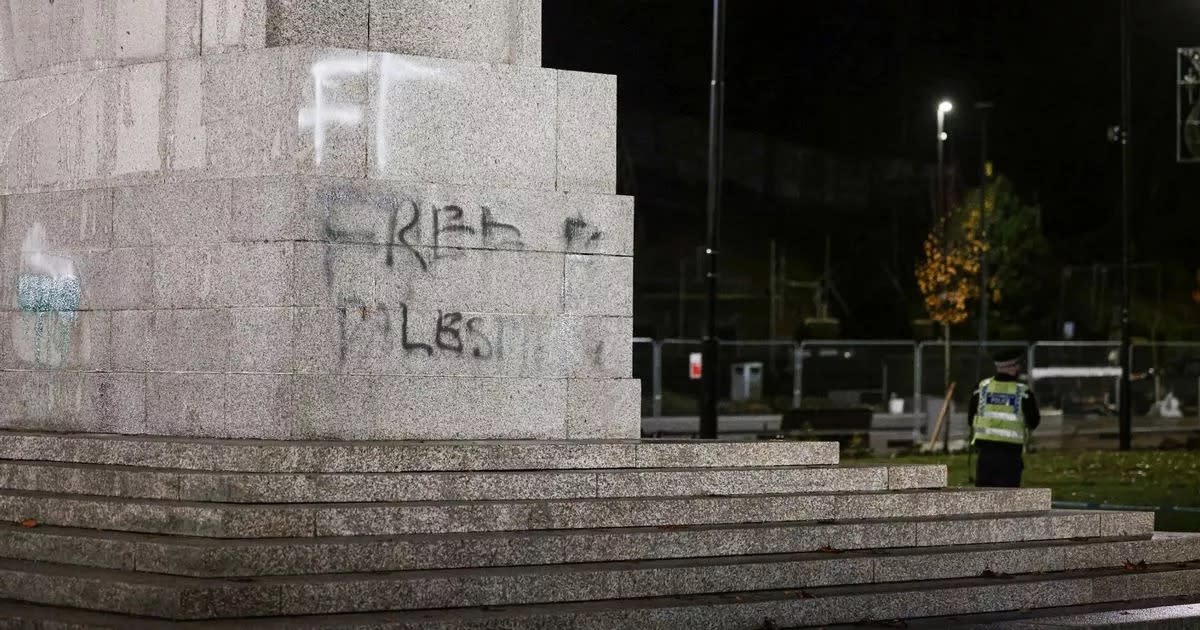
(1008, 357)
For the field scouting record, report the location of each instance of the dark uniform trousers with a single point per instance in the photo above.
(1000, 464)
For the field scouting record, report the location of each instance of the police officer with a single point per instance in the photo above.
(1002, 413)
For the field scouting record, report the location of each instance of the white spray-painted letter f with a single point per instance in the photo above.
(323, 114)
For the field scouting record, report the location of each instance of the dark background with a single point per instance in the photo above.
(846, 91)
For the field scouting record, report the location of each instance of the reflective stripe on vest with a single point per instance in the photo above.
(998, 417)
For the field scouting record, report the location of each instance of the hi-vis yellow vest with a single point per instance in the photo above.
(998, 417)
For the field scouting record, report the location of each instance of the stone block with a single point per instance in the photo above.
(501, 31)
(225, 275)
(307, 110)
(600, 224)
(198, 402)
(1161, 550)
(461, 123)
(401, 407)
(598, 285)
(86, 279)
(136, 137)
(263, 340)
(668, 454)
(477, 281)
(90, 551)
(740, 482)
(1008, 560)
(257, 127)
(72, 220)
(261, 406)
(604, 408)
(272, 208)
(384, 340)
(598, 347)
(1126, 523)
(159, 517)
(118, 278)
(185, 136)
(962, 531)
(133, 344)
(199, 558)
(329, 23)
(233, 25)
(77, 340)
(192, 340)
(587, 132)
(57, 129)
(171, 215)
(450, 217)
(86, 590)
(185, 404)
(64, 37)
(73, 401)
(1133, 586)
(903, 477)
(387, 519)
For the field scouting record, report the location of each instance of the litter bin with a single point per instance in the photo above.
(746, 381)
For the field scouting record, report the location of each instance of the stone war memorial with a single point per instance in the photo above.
(317, 313)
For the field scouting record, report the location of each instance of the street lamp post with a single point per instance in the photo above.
(945, 107)
(716, 131)
(985, 175)
(1125, 433)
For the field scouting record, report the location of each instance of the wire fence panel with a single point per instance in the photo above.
(680, 393)
(856, 374)
(1167, 379)
(753, 377)
(1070, 377)
(903, 384)
(644, 369)
(1076, 378)
(760, 375)
(969, 363)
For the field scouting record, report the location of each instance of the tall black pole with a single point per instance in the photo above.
(716, 132)
(943, 109)
(984, 295)
(1126, 164)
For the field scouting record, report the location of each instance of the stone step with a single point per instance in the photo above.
(345, 457)
(1162, 613)
(194, 598)
(234, 520)
(203, 557)
(1181, 612)
(189, 485)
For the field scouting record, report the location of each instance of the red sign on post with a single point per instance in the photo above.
(695, 361)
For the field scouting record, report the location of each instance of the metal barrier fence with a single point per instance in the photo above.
(759, 377)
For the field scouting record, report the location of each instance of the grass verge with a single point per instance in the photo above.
(1155, 478)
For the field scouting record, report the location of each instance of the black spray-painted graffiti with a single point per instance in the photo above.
(445, 333)
(577, 231)
(453, 230)
(447, 220)
(422, 234)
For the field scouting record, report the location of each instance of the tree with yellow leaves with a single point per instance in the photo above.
(948, 276)
(992, 223)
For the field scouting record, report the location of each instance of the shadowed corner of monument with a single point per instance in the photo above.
(355, 352)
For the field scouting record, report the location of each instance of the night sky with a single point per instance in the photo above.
(862, 78)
